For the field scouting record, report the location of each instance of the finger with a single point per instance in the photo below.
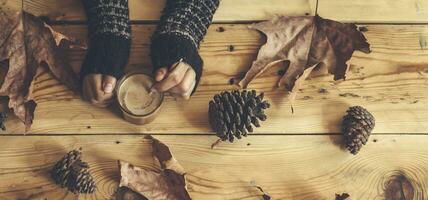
(176, 96)
(185, 95)
(174, 78)
(93, 93)
(109, 82)
(99, 95)
(85, 90)
(186, 83)
(105, 100)
(189, 92)
(88, 88)
(161, 73)
(101, 104)
(97, 87)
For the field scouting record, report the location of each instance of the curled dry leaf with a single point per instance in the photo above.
(25, 44)
(306, 42)
(264, 196)
(169, 184)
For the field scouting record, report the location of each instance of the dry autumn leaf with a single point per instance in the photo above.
(25, 44)
(306, 42)
(169, 184)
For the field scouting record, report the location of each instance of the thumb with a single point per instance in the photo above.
(161, 73)
(109, 82)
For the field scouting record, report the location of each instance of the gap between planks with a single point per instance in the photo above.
(362, 11)
(155, 22)
(199, 134)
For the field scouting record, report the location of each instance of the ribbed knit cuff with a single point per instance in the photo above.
(108, 54)
(109, 32)
(107, 17)
(167, 49)
(181, 28)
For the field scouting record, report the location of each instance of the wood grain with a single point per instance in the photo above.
(390, 82)
(384, 11)
(363, 11)
(11, 4)
(286, 167)
(150, 10)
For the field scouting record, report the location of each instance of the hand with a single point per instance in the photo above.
(98, 89)
(179, 81)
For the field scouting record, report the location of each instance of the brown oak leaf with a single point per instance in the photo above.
(306, 42)
(25, 44)
(169, 184)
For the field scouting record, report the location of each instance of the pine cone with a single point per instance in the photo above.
(357, 125)
(232, 114)
(72, 172)
(3, 117)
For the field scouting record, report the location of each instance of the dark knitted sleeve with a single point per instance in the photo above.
(182, 26)
(109, 34)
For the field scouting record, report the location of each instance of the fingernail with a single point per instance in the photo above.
(108, 88)
(20, 109)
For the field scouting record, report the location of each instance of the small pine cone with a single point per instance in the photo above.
(82, 180)
(233, 114)
(3, 117)
(357, 125)
(72, 172)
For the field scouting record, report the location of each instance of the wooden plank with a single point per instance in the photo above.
(229, 10)
(381, 11)
(11, 4)
(362, 11)
(287, 167)
(391, 82)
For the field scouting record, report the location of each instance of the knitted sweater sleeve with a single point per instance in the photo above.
(109, 34)
(182, 26)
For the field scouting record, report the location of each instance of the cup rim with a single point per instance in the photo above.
(119, 84)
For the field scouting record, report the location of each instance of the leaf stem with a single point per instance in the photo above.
(216, 143)
(316, 8)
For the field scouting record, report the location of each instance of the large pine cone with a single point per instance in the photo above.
(232, 114)
(357, 125)
(72, 172)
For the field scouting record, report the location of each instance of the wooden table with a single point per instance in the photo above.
(292, 156)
